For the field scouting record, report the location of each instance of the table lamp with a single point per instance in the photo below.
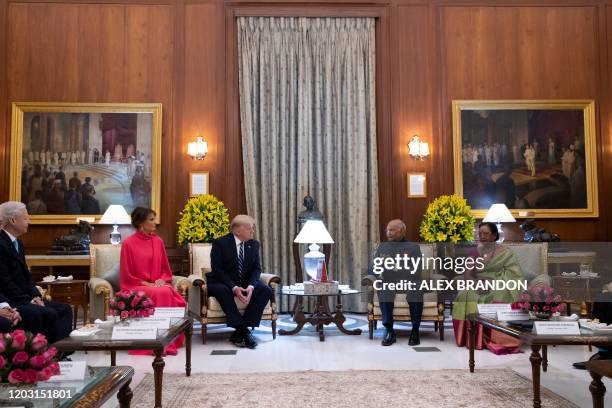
(499, 213)
(314, 232)
(114, 215)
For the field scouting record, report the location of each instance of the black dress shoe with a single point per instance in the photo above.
(389, 338)
(249, 340)
(237, 338)
(581, 365)
(414, 338)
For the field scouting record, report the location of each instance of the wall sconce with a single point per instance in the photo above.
(198, 149)
(417, 149)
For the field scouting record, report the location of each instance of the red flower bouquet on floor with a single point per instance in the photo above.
(25, 358)
(128, 304)
(540, 301)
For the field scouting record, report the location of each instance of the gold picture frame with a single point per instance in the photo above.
(199, 183)
(537, 156)
(51, 141)
(416, 185)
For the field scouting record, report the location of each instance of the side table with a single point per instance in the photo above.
(72, 292)
(599, 369)
(321, 315)
(578, 289)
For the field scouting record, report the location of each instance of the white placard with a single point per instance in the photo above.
(70, 371)
(134, 333)
(154, 322)
(506, 315)
(171, 312)
(491, 309)
(198, 183)
(557, 328)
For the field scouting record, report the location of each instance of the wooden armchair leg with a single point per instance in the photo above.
(371, 329)
(204, 331)
(435, 327)
(274, 329)
(441, 328)
(375, 324)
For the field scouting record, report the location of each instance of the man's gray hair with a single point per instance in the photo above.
(8, 210)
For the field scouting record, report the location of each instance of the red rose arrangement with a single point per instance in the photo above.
(131, 303)
(540, 300)
(25, 358)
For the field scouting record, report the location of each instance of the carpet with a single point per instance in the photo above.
(435, 388)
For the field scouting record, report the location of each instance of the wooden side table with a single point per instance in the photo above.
(72, 292)
(599, 369)
(576, 289)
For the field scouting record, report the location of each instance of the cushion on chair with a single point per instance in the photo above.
(199, 257)
(112, 277)
(532, 257)
(106, 257)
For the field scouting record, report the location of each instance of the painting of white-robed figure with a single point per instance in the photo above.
(76, 159)
(536, 157)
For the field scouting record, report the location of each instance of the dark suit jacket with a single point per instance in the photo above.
(224, 262)
(15, 279)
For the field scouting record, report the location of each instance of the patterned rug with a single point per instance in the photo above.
(435, 388)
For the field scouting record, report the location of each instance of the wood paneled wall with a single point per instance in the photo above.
(430, 52)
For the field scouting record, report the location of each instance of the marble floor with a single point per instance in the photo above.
(341, 352)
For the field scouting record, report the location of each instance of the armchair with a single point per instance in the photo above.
(104, 258)
(433, 308)
(207, 307)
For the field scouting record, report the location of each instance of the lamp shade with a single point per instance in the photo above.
(314, 232)
(115, 214)
(498, 213)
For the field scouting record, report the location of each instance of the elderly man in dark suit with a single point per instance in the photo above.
(52, 319)
(398, 245)
(235, 278)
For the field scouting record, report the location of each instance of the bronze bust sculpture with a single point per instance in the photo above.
(309, 213)
(534, 233)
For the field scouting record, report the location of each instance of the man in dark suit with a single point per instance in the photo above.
(397, 245)
(235, 278)
(52, 319)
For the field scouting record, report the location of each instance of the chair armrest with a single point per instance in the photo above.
(99, 285)
(368, 283)
(270, 279)
(196, 281)
(181, 284)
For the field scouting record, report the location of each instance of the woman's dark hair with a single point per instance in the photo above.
(140, 215)
(492, 228)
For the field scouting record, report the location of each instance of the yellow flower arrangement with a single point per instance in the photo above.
(448, 219)
(204, 219)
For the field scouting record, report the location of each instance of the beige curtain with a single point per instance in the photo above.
(308, 124)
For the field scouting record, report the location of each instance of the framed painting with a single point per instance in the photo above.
(72, 160)
(198, 183)
(416, 185)
(537, 157)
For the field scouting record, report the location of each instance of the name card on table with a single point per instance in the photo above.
(134, 333)
(171, 312)
(490, 310)
(511, 315)
(70, 371)
(557, 328)
(154, 322)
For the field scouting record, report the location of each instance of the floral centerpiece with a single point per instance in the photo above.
(204, 219)
(131, 303)
(447, 219)
(25, 358)
(540, 301)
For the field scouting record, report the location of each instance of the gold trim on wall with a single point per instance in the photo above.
(590, 159)
(18, 110)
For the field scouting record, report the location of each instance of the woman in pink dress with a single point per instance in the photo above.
(145, 267)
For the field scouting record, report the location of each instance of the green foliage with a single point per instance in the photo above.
(204, 219)
(448, 219)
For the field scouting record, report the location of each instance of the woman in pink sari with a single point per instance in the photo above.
(145, 267)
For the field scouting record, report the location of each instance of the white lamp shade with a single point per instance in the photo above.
(314, 232)
(115, 214)
(498, 213)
